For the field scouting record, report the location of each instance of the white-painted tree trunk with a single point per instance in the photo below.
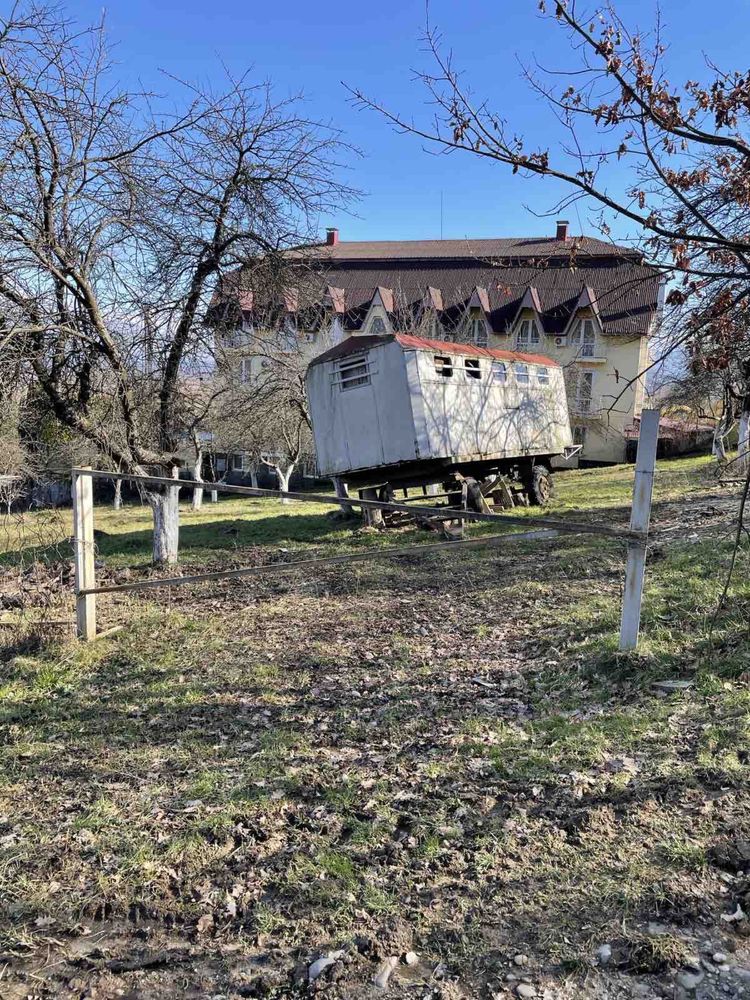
(166, 513)
(198, 477)
(117, 501)
(283, 476)
(253, 470)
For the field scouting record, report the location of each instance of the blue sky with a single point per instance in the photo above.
(314, 46)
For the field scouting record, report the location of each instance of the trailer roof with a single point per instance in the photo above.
(355, 345)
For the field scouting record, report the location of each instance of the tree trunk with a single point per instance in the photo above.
(117, 501)
(198, 477)
(166, 513)
(254, 476)
(283, 476)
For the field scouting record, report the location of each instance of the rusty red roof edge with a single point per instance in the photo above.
(451, 347)
(411, 342)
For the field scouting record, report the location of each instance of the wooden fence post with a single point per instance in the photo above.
(83, 547)
(640, 517)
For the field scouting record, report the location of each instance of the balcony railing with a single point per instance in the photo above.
(585, 406)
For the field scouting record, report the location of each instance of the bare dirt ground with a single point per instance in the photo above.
(442, 758)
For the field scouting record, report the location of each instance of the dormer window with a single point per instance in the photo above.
(527, 335)
(377, 326)
(583, 338)
(478, 331)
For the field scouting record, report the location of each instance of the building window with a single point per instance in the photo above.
(221, 464)
(499, 372)
(579, 435)
(238, 462)
(377, 326)
(542, 376)
(444, 366)
(521, 373)
(527, 335)
(584, 398)
(352, 372)
(478, 331)
(246, 369)
(471, 366)
(435, 328)
(583, 338)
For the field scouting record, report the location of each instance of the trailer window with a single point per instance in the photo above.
(542, 376)
(352, 372)
(499, 372)
(521, 373)
(444, 366)
(472, 367)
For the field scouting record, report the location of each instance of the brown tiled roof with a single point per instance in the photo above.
(625, 289)
(354, 345)
(518, 246)
(626, 292)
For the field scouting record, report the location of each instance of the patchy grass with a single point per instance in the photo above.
(281, 765)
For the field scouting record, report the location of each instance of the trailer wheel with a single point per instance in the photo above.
(539, 487)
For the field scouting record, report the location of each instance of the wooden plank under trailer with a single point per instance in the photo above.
(496, 492)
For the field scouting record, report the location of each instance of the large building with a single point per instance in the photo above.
(586, 303)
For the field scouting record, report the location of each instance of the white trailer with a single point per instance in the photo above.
(401, 410)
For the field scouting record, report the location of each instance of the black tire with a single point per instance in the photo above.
(539, 486)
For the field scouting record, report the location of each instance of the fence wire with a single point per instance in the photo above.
(36, 577)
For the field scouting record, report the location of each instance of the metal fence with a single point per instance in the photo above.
(636, 536)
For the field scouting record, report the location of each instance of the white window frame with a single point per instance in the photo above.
(241, 466)
(479, 331)
(436, 328)
(444, 365)
(542, 375)
(380, 322)
(521, 373)
(352, 372)
(528, 335)
(499, 373)
(584, 338)
(579, 435)
(473, 369)
(584, 401)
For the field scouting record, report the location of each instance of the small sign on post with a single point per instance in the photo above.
(645, 465)
(83, 546)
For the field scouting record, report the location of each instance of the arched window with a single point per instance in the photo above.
(479, 332)
(583, 338)
(527, 335)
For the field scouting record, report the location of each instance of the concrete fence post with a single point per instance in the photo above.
(640, 517)
(83, 548)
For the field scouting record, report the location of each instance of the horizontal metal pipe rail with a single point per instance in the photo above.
(571, 527)
(281, 567)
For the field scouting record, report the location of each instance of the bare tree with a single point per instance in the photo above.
(117, 221)
(687, 146)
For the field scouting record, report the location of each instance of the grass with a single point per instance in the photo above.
(309, 760)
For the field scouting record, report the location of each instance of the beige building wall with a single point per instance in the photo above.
(617, 387)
